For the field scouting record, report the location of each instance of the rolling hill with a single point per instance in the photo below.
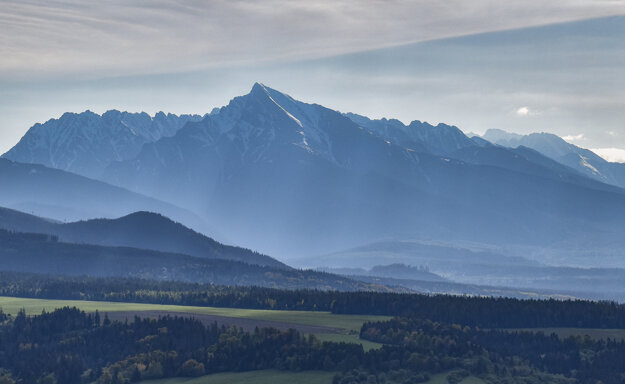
(39, 253)
(145, 230)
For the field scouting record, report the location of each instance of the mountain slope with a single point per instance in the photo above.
(292, 178)
(65, 196)
(44, 254)
(152, 231)
(23, 222)
(85, 143)
(445, 140)
(526, 160)
(583, 160)
(144, 230)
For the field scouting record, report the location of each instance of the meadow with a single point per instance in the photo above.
(325, 325)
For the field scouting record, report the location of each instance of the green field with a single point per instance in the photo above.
(348, 325)
(254, 377)
(324, 319)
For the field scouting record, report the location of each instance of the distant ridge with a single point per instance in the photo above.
(65, 196)
(143, 230)
(35, 253)
(582, 160)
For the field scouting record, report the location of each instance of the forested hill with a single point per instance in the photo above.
(148, 230)
(45, 254)
(145, 230)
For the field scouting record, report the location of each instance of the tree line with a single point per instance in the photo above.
(482, 312)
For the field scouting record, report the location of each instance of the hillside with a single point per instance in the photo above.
(65, 196)
(37, 253)
(143, 230)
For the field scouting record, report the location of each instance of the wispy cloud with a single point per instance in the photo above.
(124, 37)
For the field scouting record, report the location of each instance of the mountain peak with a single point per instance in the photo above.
(261, 90)
(499, 136)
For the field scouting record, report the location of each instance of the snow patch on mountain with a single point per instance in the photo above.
(86, 143)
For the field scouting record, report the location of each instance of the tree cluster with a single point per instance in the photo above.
(69, 346)
(425, 345)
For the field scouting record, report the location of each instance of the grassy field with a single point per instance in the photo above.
(324, 319)
(347, 326)
(254, 377)
(595, 334)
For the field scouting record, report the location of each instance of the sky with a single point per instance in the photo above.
(522, 66)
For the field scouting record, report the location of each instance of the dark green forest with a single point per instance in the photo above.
(457, 335)
(484, 312)
(423, 345)
(70, 346)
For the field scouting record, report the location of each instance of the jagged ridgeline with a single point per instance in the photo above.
(289, 178)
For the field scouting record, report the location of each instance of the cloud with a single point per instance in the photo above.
(574, 138)
(126, 37)
(523, 111)
(615, 155)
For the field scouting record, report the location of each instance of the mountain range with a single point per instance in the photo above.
(582, 160)
(292, 179)
(87, 143)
